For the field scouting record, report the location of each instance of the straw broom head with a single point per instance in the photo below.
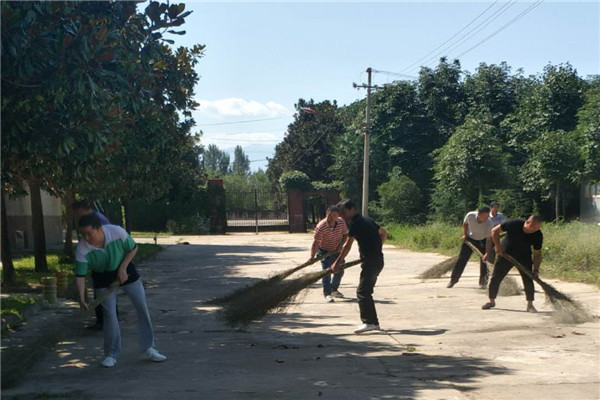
(272, 299)
(439, 269)
(264, 284)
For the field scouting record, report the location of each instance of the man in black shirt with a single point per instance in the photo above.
(521, 236)
(370, 238)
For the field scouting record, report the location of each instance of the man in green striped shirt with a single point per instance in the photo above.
(107, 250)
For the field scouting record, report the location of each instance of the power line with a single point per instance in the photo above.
(242, 122)
(473, 32)
(409, 68)
(509, 23)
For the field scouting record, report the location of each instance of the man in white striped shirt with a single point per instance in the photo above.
(330, 234)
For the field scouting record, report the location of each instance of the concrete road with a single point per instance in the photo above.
(437, 343)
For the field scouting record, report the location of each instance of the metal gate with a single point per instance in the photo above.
(256, 211)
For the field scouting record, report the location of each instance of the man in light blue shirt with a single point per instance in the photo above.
(495, 216)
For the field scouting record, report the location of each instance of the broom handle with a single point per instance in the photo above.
(312, 261)
(478, 252)
(521, 268)
(111, 288)
(346, 265)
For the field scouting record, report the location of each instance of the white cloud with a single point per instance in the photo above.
(238, 107)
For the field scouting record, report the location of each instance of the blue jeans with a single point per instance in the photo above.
(112, 331)
(330, 284)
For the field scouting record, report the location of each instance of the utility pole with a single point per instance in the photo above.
(367, 133)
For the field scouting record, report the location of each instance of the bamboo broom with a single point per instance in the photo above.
(440, 269)
(264, 284)
(508, 286)
(243, 310)
(95, 303)
(569, 310)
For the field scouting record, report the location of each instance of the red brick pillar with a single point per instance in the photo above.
(296, 212)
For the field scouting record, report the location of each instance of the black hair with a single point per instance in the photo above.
(483, 209)
(90, 220)
(494, 203)
(537, 218)
(347, 204)
(332, 208)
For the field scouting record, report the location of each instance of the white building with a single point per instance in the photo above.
(19, 221)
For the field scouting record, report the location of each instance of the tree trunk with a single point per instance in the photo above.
(556, 202)
(126, 219)
(68, 200)
(39, 233)
(8, 269)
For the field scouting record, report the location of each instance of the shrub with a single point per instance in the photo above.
(295, 180)
(400, 200)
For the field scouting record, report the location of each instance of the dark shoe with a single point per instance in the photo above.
(531, 308)
(487, 306)
(451, 284)
(483, 286)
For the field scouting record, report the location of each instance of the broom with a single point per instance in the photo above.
(439, 269)
(509, 285)
(264, 284)
(243, 310)
(569, 310)
(95, 303)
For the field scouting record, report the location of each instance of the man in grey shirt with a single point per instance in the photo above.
(477, 229)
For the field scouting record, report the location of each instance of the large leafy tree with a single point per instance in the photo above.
(442, 93)
(106, 91)
(467, 166)
(588, 133)
(490, 92)
(551, 164)
(307, 147)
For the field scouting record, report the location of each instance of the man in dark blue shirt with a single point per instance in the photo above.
(370, 238)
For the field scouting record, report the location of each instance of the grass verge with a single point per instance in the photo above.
(571, 251)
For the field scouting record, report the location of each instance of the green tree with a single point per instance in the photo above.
(588, 133)
(467, 166)
(241, 162)
(552, 161)
(441, 91)
(92, 73)
(216, 161)
(400, 200)
(307, 147)
(490, 92)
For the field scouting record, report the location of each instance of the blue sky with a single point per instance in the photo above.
(261, 58)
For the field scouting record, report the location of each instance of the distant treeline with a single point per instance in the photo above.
(451, 140)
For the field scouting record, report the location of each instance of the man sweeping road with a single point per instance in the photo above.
(477, 229)
(370, 238)
(108, 251)
(521, 235)
(330, 234)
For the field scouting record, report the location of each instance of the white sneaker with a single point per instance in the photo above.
(329, 299)
(154, 355)
(109, 362)
(366, 328)
(337, 294)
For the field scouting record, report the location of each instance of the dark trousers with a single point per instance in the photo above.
(501, 269)
(463, 258)
(371, 267)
